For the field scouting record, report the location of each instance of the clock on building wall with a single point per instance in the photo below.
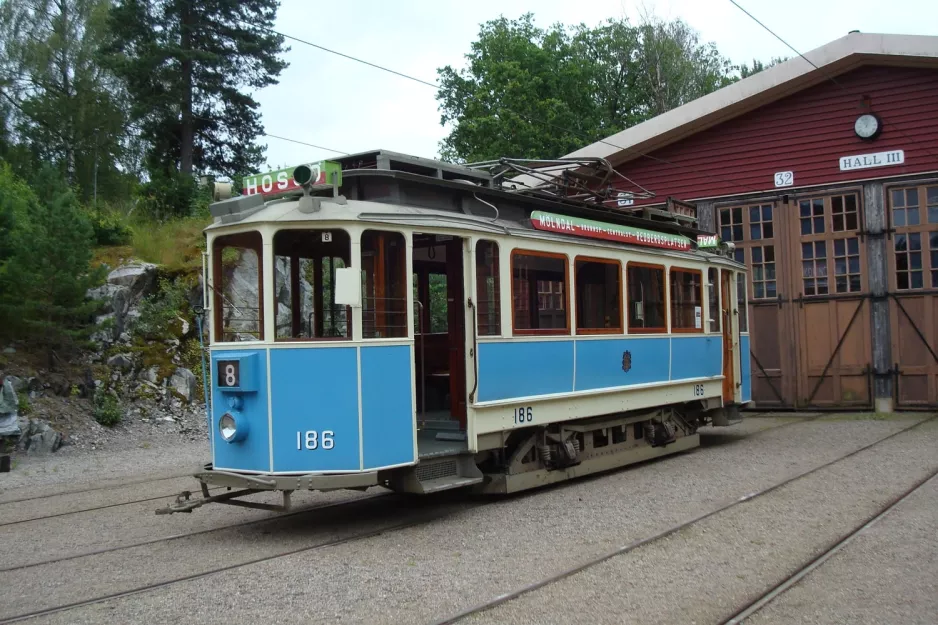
(868, 126)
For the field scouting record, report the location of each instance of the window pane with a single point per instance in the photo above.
(239, 316)
(754, 214)
(686, 300)
(488, 291)
(737, 233)
(384, 279)
(913, 217)
(899, 217)
(767, 212)
(713, 297)
(646, 298)
(305, 262)
(439, 305)
(741, 303)
(805, 207)
(757, 254)
(755, 231)
(598, 293)
(839, 246)
(538, 291)
(852, 221)
(738, 215)
(769, 253)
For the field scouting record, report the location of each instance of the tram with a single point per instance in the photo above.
(387, 320)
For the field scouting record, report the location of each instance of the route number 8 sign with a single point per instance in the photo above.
(229, 374)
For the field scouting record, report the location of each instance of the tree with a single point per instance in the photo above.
(185, 64)
(46, 274)
(534, 93)
(746, 71)
(62, 107)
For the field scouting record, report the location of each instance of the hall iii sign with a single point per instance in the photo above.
(876, 159)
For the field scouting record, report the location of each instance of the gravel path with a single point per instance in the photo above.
(708, 569)
(415, 575)
(888, 574)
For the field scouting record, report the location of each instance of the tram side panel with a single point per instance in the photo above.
(330, 409)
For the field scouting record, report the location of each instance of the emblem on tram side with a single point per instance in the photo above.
(626, 361)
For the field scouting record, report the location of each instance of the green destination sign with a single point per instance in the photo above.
(608, 232)
(282, 180)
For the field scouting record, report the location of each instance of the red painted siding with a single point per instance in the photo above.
(805, 133)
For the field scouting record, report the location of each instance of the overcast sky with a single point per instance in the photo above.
(347, 106)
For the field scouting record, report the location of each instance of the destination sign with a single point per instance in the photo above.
(607, 232)
(282, 181)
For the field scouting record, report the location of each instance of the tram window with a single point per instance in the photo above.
(713, 297)
(384, 285)
(304, 273)
(598, 296)
(741, 302)
(238, 277)
(686, 301)
(488, 291)
(647, 299)
(539, 292)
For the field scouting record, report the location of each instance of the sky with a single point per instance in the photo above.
(349, 107)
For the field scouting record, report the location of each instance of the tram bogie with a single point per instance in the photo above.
(398, 322)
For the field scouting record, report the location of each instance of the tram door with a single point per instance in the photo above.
(726, 303)
(440, 329)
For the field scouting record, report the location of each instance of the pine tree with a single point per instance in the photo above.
(187, 66)
(46, 273)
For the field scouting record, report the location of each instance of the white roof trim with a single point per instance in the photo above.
(834, 58)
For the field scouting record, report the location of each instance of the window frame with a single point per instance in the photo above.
(714, 288)
(407, 268)
(605, 261)
(218, 244)
(667, 305)
(924, 228)
(699, 273)
(746, 244)
(566, 331)
(350, 331)
(497, 289)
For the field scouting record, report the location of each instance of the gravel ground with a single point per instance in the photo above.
(477, 551)
(888, 574)
(704, 572)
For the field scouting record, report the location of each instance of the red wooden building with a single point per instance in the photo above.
(825, 176)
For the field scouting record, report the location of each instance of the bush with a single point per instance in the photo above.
(109, 229)
(107, 410)
(22, 404)
(158, 312)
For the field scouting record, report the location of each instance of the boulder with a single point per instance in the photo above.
(183, 382)
(122, 362)
(115, 298)
(138, 277)
(39, 437)
(152, 375)
(9, 421)
(20, 385)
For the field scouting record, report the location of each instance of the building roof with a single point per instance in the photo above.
(837, 57)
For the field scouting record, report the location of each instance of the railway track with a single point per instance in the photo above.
(556, 577)
(270, 520)
(89, 489)
(420, 520)
(776, 591)
(167, 495)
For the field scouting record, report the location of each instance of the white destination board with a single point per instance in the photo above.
(876, 159)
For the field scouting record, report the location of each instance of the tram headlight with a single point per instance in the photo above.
(231, 429)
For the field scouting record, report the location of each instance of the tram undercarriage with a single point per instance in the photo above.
(529, 458)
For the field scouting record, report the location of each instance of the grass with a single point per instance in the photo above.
(176, 245)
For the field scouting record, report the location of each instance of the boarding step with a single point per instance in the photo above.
(432, 475)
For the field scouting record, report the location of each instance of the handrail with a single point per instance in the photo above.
(475, 352)
(423, 367)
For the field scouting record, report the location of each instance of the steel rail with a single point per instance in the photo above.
(569, 572)
(171, 476)
(776, 591)
(171, 537)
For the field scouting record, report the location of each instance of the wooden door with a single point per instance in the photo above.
(759, 233)
(729, 359)
(831, 311)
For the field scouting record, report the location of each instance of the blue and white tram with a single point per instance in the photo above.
(387, 320)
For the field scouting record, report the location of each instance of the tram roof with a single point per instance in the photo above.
(407, 181)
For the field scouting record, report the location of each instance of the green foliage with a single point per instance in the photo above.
(184, 64)
(64, 109)
(158, 312)
(23, 406)
(109, 228)
(107, 410)
(745, 71)
(534, 93)
(44, 279)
